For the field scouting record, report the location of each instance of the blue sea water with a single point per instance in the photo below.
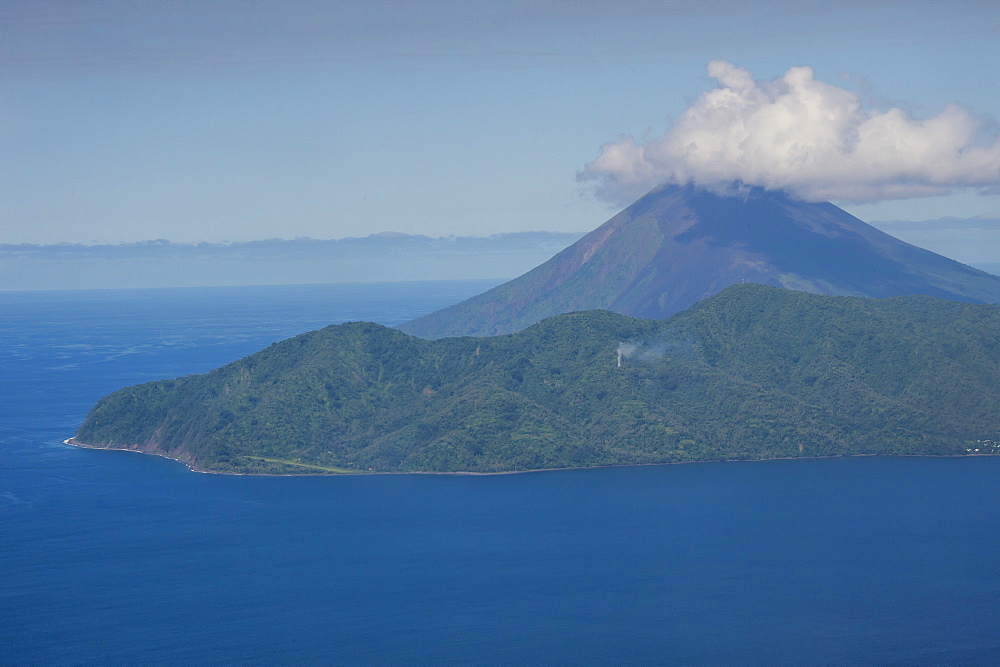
(114, 557)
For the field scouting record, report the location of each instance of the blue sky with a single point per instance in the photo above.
(233, 121)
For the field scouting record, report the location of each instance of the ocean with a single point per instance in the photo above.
(120, 558)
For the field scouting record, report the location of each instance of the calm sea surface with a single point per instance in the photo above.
(113, 557)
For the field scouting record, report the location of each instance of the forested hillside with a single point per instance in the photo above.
(754, 372)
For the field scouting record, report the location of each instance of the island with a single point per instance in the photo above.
(754, 372)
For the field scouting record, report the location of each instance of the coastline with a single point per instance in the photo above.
(71, 442)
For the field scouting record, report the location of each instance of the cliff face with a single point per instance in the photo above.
(678, 245)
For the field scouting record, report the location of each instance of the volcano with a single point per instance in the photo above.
(680, 244)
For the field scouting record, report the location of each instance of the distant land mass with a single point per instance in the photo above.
(754, 372)
(678, 245)
(384, 257)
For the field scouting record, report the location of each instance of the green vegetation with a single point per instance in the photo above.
(754, 372)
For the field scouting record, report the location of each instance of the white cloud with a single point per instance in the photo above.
(807, 137)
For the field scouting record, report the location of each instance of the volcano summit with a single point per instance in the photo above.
(680, 244)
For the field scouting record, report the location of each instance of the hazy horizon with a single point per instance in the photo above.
(379, 257)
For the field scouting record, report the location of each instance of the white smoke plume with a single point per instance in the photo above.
(627, 349)
(664, 344)
(809, 138)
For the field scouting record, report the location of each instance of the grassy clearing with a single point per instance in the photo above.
(311, 466)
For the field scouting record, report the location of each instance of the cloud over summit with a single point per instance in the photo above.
(807, 137)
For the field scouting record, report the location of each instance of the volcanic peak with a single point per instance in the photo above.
(680, 244)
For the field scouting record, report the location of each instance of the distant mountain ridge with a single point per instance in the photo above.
(678, 245)
(384, 257)
(155, 248)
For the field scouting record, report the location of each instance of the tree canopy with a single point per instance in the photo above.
(752, 373)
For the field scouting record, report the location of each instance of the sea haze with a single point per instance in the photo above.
(377, 258)
(114, 557)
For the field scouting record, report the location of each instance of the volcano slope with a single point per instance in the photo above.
(678, 245)
(754, 372)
